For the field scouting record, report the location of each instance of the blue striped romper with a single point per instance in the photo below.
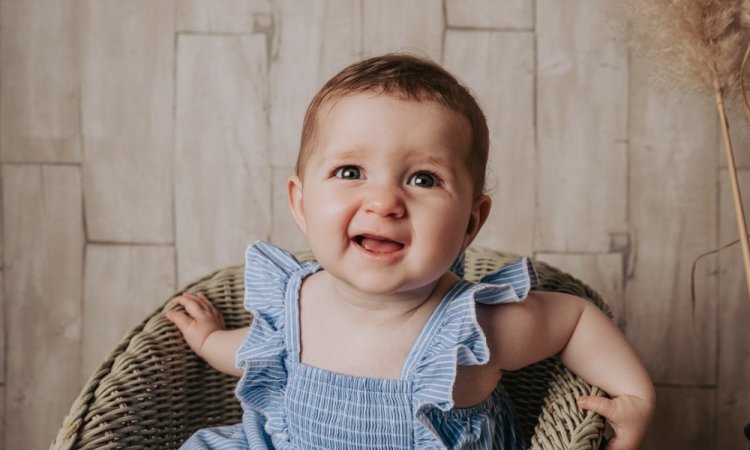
(289, 405)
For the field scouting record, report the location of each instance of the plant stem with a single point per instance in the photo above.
(732, 169)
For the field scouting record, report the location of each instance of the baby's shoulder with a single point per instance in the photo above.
(510, 321)
(491, 316)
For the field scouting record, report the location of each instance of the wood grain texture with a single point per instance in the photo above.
(415, 26)
(312, 41)
(684, 419)
(602, 271)
(285, 232)
(221, 16)
(499, 69)
(39, 81)
(733, 409)
(127, 120)
(582, 101)
(222, 167)
(673, 215)
(44, 242)
(123, 284)
(514, 14)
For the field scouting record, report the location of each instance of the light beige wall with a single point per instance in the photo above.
(144, 143)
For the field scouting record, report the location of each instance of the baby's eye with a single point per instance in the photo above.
(348, 173)
(424, 179)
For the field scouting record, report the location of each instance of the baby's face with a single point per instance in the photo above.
(385, 200)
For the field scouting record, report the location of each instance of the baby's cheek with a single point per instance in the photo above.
(448, 238)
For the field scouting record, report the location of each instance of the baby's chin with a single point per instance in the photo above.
(378, 285)
(367, 284)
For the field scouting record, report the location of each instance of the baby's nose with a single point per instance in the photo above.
(384, 201)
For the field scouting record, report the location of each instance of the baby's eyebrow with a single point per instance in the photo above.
(351, 153)
(441, 162)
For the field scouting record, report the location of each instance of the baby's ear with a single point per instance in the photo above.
(479, 213)
(294, 196)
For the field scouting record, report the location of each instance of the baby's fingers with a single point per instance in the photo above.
(599, 405)
(180, 319)
(195, 305)
(200, 309)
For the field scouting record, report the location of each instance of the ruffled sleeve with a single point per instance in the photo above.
(268, 271)
(456, 339)
(512, 283)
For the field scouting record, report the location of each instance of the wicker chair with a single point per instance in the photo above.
(152, 392)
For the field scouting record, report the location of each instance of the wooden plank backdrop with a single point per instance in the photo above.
(221, 170)
(145, 143)
(127, 119)
(472, 14)
(582, 105)
(678, 160)
(733, 407)
(40, 78)
(499, 66)
(44, 242)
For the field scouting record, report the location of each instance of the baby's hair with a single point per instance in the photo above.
(410, 78)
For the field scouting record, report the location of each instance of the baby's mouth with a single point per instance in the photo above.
(377, 245)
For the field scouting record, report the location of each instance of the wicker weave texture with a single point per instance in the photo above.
(152, 392)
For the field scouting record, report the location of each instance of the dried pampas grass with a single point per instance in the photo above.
(704, 44)
(695, 42)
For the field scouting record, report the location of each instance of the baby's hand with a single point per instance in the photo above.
(628, 415)
(199, 320)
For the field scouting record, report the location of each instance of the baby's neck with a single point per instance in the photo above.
(361, 334)
(384, 308)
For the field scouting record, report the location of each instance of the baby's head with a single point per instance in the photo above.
(390, 175)
(408, 78)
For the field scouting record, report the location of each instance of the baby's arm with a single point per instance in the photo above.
(203, 328)
(589, 344)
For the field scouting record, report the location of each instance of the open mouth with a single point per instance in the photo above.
(378, 245)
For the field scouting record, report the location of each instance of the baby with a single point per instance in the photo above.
(379, 343)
